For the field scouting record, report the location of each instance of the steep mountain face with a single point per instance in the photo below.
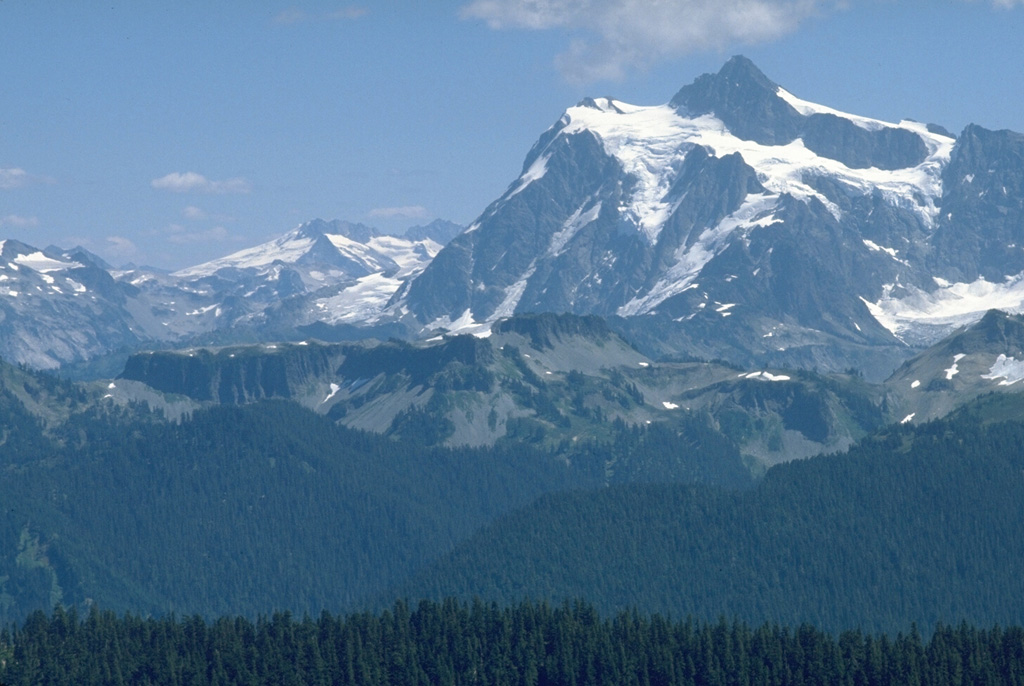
(739, 221)
(63, 307)
(58, 306)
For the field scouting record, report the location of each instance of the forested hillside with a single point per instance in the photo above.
(912, 525)
(271, 506)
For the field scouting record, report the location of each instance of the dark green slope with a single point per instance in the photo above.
(913, 525)
(247, 509)
(241, 510)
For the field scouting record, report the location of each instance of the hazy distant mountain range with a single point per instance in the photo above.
(68, 306)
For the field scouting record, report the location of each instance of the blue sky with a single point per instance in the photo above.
(172, 133)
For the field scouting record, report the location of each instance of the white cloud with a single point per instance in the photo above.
(615, 36)
(194, 213)
(187, 182)
(407, 212)
(608, 38)
(19, 222)
(15, 177)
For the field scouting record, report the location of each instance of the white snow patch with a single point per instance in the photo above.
(363, 301)
(669, 406)
(201, 311)
(512, 295)
(690, 259)
(536, 171)
(808, 108)
(766, 376)
(334, 390)
(43, 264)
(644, 364)
(1008, 369)
(907, 418)
(915, 383)
(892, 252)
(571, 227)
(112, 385)
(411, 257)
(464, 324)
(953, 370)
(948, 307)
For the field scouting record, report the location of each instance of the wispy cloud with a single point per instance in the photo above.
(407, 212)
(119, 247)
(16, 177)
(194, 213)
(19, 222)
(191, 182)
(350, 12)
(181, 235)
(609, 38)
(294, 15)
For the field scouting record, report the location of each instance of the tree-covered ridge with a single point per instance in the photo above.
(476, 643)
(914, 524)
(247, 509)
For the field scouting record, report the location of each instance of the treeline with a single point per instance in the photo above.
(475, 643)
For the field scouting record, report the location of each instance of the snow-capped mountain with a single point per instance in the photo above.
(58, 306)
(68, 306)
(739, 221)
(735, 222)
(332, 272)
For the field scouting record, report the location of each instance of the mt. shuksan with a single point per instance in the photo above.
(741, 222)
(736, 222)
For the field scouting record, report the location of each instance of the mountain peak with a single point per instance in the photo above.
(337, 227)
(741, 71)
(745, 99)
